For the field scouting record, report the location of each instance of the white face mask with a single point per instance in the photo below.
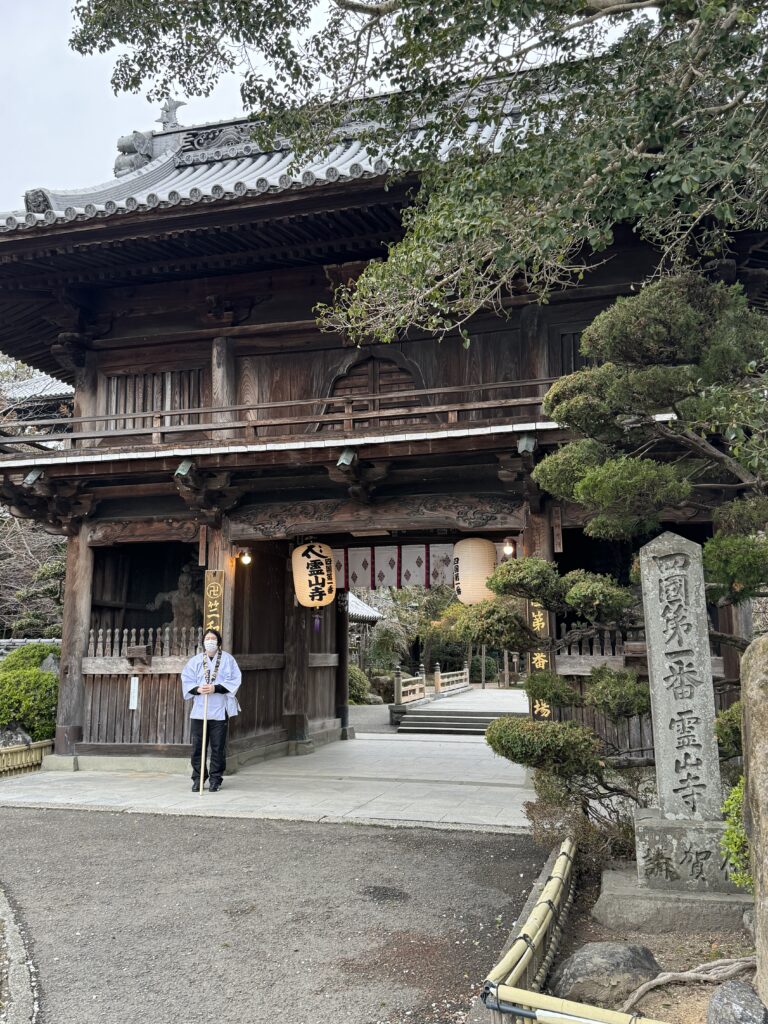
(210, 647)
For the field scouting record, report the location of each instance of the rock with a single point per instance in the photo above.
(14, 736)
(749, 922)
(736, 1002)
(373, 698)
(385, 687)
(51, 664)
(604, 973)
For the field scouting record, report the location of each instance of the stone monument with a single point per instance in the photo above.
(682, 877)
(678, 842)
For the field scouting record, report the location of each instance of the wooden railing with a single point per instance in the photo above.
(446, 683)
(424, 409)
(23, 758)
(410, 688)
(163, 642)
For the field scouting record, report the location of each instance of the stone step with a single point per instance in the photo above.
(435, 710)
(448, 729)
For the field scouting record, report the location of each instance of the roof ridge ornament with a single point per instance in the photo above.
(168, 118)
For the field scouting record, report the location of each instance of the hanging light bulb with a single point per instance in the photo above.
(510, 547)
(245, 556)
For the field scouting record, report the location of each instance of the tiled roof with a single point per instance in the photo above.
(37, 388)
(359, 611)
(205, 164)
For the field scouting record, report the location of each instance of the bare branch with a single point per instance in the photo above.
(376, 10)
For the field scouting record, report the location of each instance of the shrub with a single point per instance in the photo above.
(728, 730)
(28, 656)
(617, 693)
(476, 669)
(566, 748)
(551, 688)
(596, 598)
(359, 685)
(737, 566)
(28, 697)
(735, 843)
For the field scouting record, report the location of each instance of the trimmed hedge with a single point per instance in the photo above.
(565, 748)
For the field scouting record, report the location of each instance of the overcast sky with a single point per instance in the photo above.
(60, 119)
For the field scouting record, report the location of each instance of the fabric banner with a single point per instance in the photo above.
(386, 566)
(340, 564)
(441, 565)
(413, 571)
(359, 567)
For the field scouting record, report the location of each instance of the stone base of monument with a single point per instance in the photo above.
(680, 855)
(625, 904)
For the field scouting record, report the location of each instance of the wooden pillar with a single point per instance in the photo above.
(223, 384)
(85, 402)
(342, 671)
(74, 639)
(537, 535)
(296, 671)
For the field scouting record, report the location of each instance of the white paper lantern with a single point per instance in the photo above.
(314, 575)
(474, 559)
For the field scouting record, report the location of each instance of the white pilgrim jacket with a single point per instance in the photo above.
(220, 705)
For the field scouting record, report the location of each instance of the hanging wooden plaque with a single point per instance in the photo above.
(214, 599)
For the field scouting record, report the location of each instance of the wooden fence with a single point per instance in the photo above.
(23, 758)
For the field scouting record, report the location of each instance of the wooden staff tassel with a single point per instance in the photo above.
(202, 753)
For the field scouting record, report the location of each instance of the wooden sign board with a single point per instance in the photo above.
(539, 660)
(213, 599)
(557, 529)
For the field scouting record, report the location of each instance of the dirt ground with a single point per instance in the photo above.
(674, 1004)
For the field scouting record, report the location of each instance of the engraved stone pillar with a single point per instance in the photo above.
(678, 842)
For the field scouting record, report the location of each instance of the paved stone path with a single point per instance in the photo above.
(445, 781)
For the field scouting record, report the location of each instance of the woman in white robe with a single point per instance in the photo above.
(216, 674)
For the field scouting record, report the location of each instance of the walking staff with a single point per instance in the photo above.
(210, 680)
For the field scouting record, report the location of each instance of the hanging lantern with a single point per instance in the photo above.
(314, 576)
(474, 559)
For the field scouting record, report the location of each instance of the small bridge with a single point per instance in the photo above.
(467, 713)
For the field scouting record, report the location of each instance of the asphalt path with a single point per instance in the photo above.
(145, 919)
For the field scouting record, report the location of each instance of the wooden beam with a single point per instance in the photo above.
(492, 512)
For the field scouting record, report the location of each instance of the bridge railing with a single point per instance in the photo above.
(410, 688)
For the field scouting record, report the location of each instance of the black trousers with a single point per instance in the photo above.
(216, 740)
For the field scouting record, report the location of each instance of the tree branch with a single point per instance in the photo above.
(373, 9)
(703, 447)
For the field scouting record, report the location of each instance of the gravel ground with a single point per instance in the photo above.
(144, 918)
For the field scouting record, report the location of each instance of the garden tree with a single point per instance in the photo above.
(671, 416)
(32, 564)
(597, 113)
